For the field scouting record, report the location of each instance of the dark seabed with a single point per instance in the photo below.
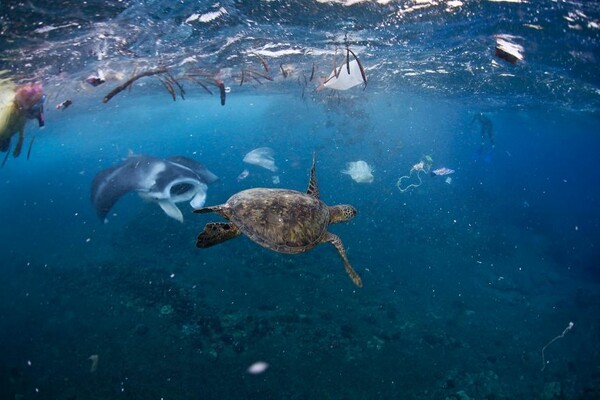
(466, 280)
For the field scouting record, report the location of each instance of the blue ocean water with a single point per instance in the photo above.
(470, 284)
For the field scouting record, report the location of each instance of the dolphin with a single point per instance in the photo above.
(164, 181)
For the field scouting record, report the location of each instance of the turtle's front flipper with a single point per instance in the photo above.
(215, 233)
(336, 241)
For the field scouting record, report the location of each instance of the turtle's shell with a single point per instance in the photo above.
(282, 220)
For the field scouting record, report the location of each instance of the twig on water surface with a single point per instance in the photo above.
(134, 78)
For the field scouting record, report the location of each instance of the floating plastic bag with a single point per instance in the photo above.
(342, 80)
(263, 157)
(359, 171)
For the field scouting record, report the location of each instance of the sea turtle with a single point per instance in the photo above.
(281, 220)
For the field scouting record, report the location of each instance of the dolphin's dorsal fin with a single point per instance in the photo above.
(313, 189)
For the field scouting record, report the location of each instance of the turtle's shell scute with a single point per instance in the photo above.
(281, 220)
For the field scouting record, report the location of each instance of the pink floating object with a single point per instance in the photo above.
(442, 171)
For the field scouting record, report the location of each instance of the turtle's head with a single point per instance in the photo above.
(341, 213)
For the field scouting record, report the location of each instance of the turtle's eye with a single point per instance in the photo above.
(350, 212)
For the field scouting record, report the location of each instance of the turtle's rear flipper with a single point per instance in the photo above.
(215, 233)
(336, 241)
(216, 209)
(205, 210)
